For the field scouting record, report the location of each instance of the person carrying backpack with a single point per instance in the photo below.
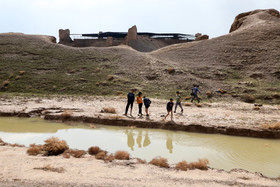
(147, 103)
(130, 101)
(178, 102)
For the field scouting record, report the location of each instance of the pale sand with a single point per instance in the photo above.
(17, 169)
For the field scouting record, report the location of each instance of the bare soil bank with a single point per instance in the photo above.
(88, 171)
(236, 118)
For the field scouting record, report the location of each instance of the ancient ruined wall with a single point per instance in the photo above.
(64, 36)
(97, 42)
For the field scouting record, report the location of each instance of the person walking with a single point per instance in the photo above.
(194, 95)
(140, 103)
(169, 108)
(178, 102)
(130, 101)
(147, 103)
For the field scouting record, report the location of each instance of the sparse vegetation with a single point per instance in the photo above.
(54, 146)
(109, 158)
(160, 162)
(109, 110)
(122, 155)
(66, 114)
(202, 164)
(74, 152)
(248, 98)
(94, 150)
(33, 151)
(51, 169)
(272, 126)
(141, 161)
(101, 155)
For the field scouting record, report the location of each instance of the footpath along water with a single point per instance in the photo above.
(223, 152)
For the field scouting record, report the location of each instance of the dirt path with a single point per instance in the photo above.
(223, 117)
(17, 168)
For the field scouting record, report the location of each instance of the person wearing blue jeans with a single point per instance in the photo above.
(195, 90)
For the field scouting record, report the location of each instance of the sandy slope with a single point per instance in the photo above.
(17, 169)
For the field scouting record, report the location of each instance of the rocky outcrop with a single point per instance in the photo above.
(64, 36)
(109, 41)
(131, 35)
(241, 18)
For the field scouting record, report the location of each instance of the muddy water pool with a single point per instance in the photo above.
(223, 152)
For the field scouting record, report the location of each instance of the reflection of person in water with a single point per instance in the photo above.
(169, 144)
(147, 140)
(139, 139)
(130, 140)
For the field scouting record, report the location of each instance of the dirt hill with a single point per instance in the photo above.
(245, 61)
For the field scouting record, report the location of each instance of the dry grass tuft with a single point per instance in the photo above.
(188, 104)
(140, 161)
(5, 83)
(75, 153)
(109, 110)
(171, 70)
(273, 126)
(109, 158)
(122, 155)
(54, 146)
(198, 105)
(256, 108)
(101, 155)
(160, 162)
(94, 150)
(52, 169)
(182, 166)
(66, 114)
(202, 164)
(21, 72)
(248, 98)
(33, 151)
(66, 154)
(110, 77)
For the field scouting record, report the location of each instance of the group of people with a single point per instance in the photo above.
(169, 107)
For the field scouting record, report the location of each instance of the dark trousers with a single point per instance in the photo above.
(140, 108)
(195, 97)
(129, 103)
(180, 105)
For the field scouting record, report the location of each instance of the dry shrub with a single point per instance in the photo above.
(110, 77)
(21, 72)
(5, 83)
(54, 146)
(11, 76)
(256, 108)
(101, 155)
(33, 151)
(109, 158)
(171, 70)
(16, 145)
(66, 114)
(198, 105)
(75, 153)
(50, 168)
(17, 77)
(202, 164)
(94, 150)
(160, 162)
(140, 161)
(188, 104)
(187, 98)
(273, 126)
(248, 98)
(182, 166)
(122, 155)
(109, 110)
(66, 154)
(209, 94)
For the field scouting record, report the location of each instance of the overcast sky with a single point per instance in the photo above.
(212, 17)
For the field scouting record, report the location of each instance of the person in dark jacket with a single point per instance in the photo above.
(130, 101)
(169, 108)
(147, 103)
(194, 93)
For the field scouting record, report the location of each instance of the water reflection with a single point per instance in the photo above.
(147, 141)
